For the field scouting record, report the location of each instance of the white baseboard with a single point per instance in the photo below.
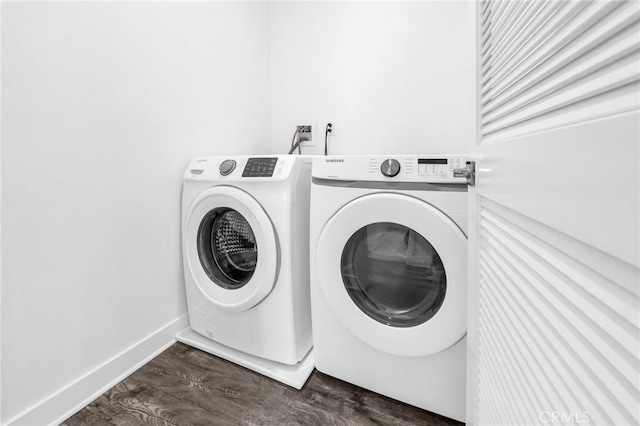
(72, 398)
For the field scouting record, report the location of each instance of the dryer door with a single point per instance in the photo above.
(393, 269)
(230, 248)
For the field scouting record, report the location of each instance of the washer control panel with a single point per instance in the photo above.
(244, 168)
(396, 168)
(259, 167)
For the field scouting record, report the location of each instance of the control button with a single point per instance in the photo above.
(439, 168)
(227, 167)
(390, 167)
(260, 167)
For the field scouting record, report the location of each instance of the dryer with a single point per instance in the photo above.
(246, 262)
(389, 276)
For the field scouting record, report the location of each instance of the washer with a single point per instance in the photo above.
(389, 276)
(246, 262)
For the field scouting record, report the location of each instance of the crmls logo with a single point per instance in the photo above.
(334, 160)
(561, 417)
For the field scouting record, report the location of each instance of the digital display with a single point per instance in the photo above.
(259, 167)
(432, 161)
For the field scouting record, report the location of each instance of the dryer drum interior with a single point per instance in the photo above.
(393, 274)
(227, 248)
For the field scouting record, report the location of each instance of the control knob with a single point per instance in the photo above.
(390, 167)
(227, 167)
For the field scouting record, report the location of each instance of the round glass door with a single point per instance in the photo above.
(393, 274)
(392, 269)
(227, 248)
(230, 248)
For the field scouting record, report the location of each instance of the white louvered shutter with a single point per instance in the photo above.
(554, 333)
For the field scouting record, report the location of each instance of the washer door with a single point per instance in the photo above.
(394, 271)
(230, 248)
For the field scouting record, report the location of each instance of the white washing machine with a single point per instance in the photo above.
(389, 276)
(245, 250)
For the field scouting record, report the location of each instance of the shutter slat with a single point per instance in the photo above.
(501, 26)
(485, 4)
(608, 330)
(536, 362)
(532, 23)
(557, 373)
(591, 53)
(566, 33)
(622, 100)
(520, 259)
(603, 81)
(483, 20)
(496, 14)
(503, 36)
(519, 354)
(500, 11)
(542, 36)
(504, 373)
(563, 71)
(527, 368)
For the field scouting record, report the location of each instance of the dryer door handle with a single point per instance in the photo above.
(469, 171)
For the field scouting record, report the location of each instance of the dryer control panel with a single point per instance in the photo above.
(400, 168)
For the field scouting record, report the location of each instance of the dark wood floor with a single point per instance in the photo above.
(185, 386)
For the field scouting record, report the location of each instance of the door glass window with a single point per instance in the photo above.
(393, 274)
(227, 248)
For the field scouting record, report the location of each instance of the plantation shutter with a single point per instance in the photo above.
(554, 243)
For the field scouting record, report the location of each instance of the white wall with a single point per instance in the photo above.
(103, 104)
(392, 77)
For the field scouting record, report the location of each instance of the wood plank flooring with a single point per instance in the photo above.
(185, 386)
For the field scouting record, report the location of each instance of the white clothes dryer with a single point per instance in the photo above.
(389, 276)
(246, 262)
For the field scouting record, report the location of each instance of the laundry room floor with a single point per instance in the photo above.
(185, 386)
